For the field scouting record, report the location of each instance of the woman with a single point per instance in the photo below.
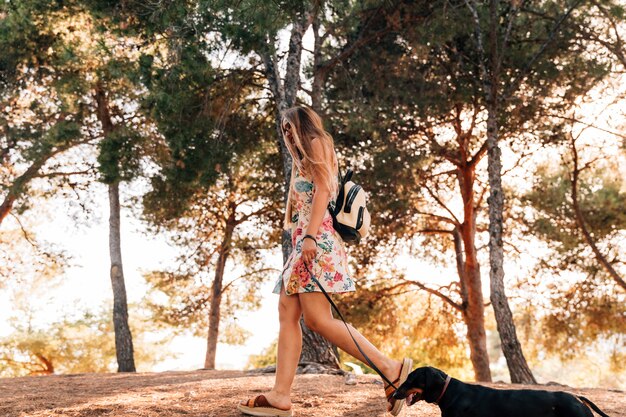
(316, 243)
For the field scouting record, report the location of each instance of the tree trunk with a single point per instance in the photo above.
(474, 317)
(317, 349)
(314, 346)
(318, 76)
(123, 337)
(518, 367)
(47, 367)
(276, 86)
(511, 347)
(7, 205)
(471, 283)
(216, 294)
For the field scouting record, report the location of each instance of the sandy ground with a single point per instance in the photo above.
(214, 394)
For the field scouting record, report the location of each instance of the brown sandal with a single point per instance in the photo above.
(259, 406)
(395, 406)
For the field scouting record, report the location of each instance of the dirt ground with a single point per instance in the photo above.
(214, 394)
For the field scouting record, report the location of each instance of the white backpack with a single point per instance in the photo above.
(351, 219)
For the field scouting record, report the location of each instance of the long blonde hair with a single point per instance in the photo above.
(305, 125)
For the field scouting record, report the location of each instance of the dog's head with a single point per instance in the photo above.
(425, 383)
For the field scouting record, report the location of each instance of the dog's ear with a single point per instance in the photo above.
(433, 376)
(440, 375)
(435, 380)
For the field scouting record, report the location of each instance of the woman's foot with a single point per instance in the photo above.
(269, 404)
(392, 371)
(282, 401)
(401, 370)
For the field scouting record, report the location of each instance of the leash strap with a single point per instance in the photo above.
(443, 391)
(369, 361)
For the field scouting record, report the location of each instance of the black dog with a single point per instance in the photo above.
(457, 399)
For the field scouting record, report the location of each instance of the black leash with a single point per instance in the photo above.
(369, 361)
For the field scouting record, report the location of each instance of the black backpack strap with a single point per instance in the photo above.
(339, 199)
(348, 176)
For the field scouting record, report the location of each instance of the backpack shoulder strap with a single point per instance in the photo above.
(348, 176)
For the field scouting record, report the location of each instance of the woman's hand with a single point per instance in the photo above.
(309, 249)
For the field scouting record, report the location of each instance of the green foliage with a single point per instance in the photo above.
(25, 36)
(581, 318)
(397, 105)
(583, 315)
(80, 343)
(50, 96)
(413, 102)
(205, 116)
(263, 359)
(601, 200)
(581, 312)
(248, 194)
(251, 23)
(120, 155)
(411, 324)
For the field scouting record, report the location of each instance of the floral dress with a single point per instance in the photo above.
(330, 265)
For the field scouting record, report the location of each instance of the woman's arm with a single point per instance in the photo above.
(321, 198)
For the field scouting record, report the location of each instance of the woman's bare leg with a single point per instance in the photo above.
(289, 349)
(318, 317)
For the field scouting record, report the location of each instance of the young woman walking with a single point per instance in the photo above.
(316, 243)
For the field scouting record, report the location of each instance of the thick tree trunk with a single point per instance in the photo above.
(471, 283)
(518, 367)
(123, 337)
(474, 314)
(318, 76)
(317, 349)
(216, 294)
(314, 347)
(276, 86)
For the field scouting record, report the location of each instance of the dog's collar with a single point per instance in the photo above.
(445, 387)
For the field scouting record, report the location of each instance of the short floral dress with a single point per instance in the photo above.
(330, 265)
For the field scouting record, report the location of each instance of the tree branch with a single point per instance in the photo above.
(24, 232)
(479, 155)
(581, 222)
(63, 174)
(442, 296)
(434, 231)
(445, 207)
(258, 271)
(438, 217)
